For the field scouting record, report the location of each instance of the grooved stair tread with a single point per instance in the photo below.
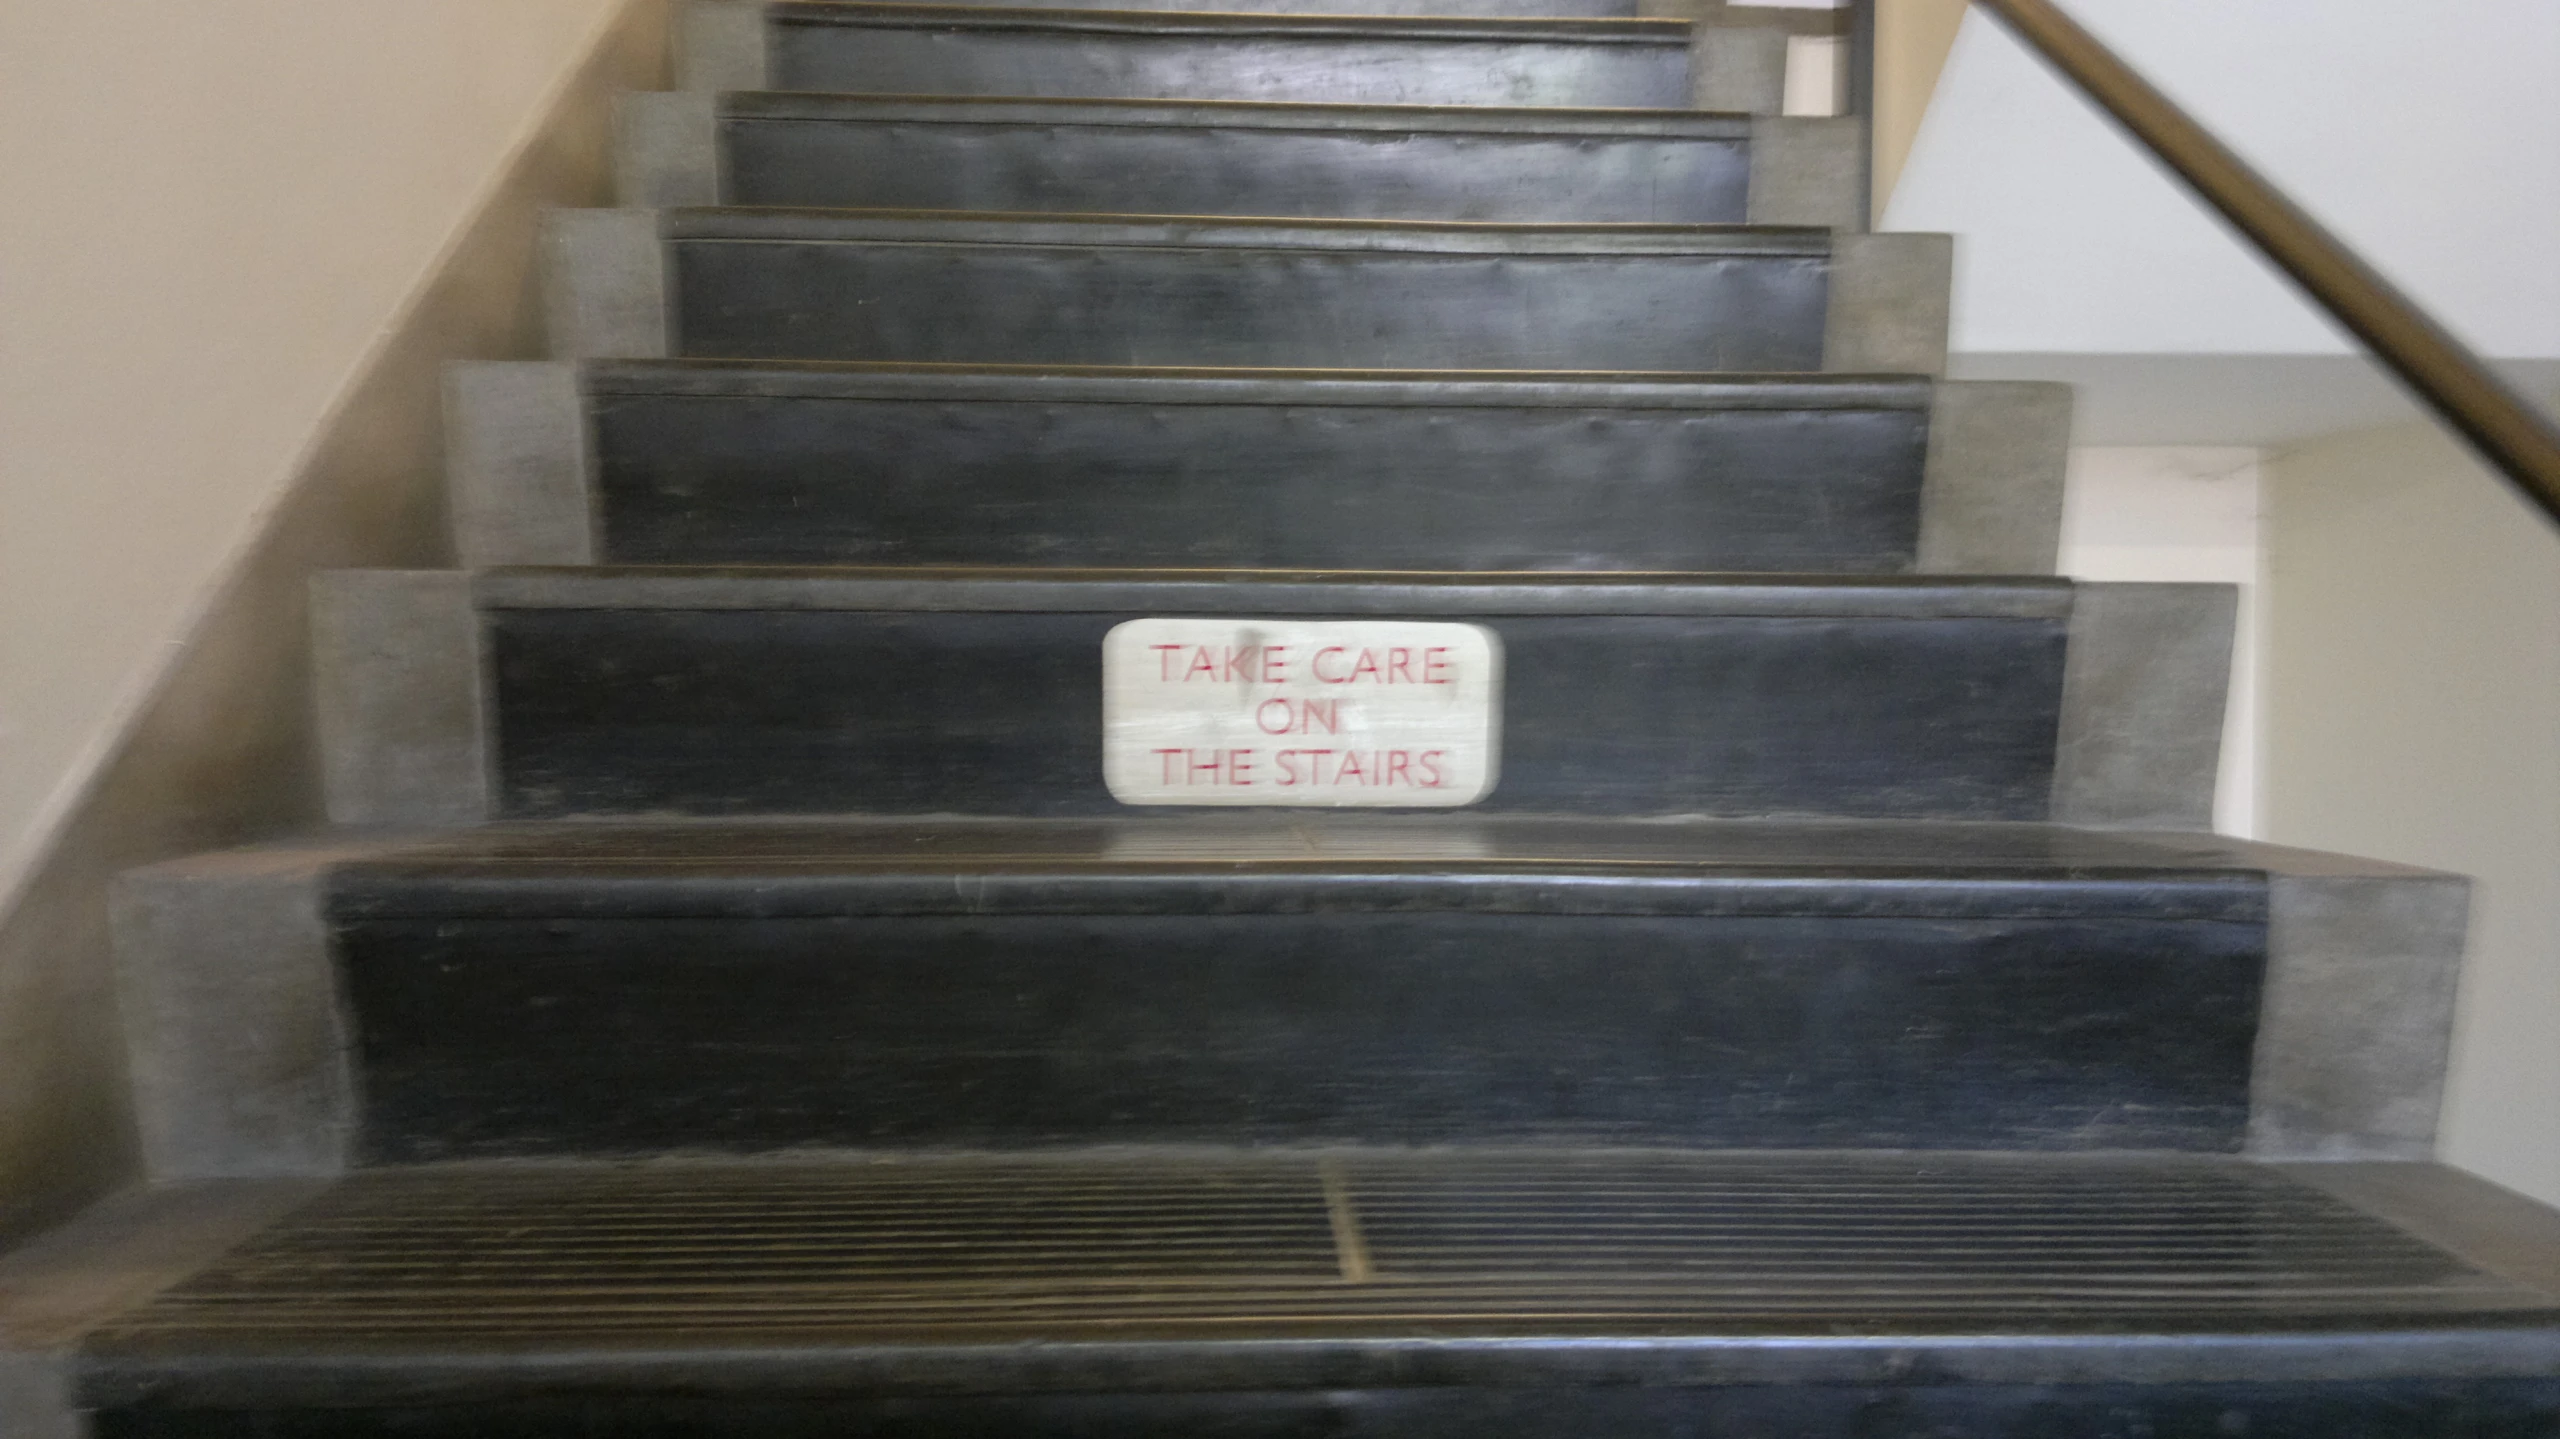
(1583, 121)
(1171, 1270)
(1598, 30)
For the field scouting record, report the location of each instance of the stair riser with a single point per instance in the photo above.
(258, 983)
(748, 478)
(930, 286)
(1140, 304)
(1129, 64)
(1191, 169)
(692, 463)
(404, 688)
(483, 1038)
(757, 711)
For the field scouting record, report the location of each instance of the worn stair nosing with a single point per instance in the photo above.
(1206, 385)
(1269, 592)
(425, 888)
(1601, 1353)
(1320, 117)
(700, 224)
(1561, 30)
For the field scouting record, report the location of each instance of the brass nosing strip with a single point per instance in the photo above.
(1350, 1248)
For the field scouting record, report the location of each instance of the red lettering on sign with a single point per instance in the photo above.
(1348, 768)
(1230, 768)
(1396, 665)
(1288, 716)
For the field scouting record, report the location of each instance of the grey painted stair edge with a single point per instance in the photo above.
(236, 1037)
(117, 1254)
(241, 1045)
(666, 150)
(721, 45)
(36, 1394)
(399, 697)
(521, 480)
(608, 292)
(1741, 68)
(2145, 689)
(1804, 170)
(1809, 170)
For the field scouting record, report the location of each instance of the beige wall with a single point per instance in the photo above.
(239, 241)
(214, 212)
(1913, 38)
(2412, 695)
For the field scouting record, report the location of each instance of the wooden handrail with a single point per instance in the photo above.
(2458, 385)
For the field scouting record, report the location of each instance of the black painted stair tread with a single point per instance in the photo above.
(712, 462)
(1371, 1286)
(1153, 290)
(773, 690)
(1195, 863)
(1234, 158)
(880, 49)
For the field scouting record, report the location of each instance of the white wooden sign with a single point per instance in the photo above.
(1298, 712)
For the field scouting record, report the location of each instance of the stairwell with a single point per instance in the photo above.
(784, 964)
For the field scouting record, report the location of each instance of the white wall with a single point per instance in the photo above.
(2181, 514)
(2413, 713)
(2427, 135)
(214, 213)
